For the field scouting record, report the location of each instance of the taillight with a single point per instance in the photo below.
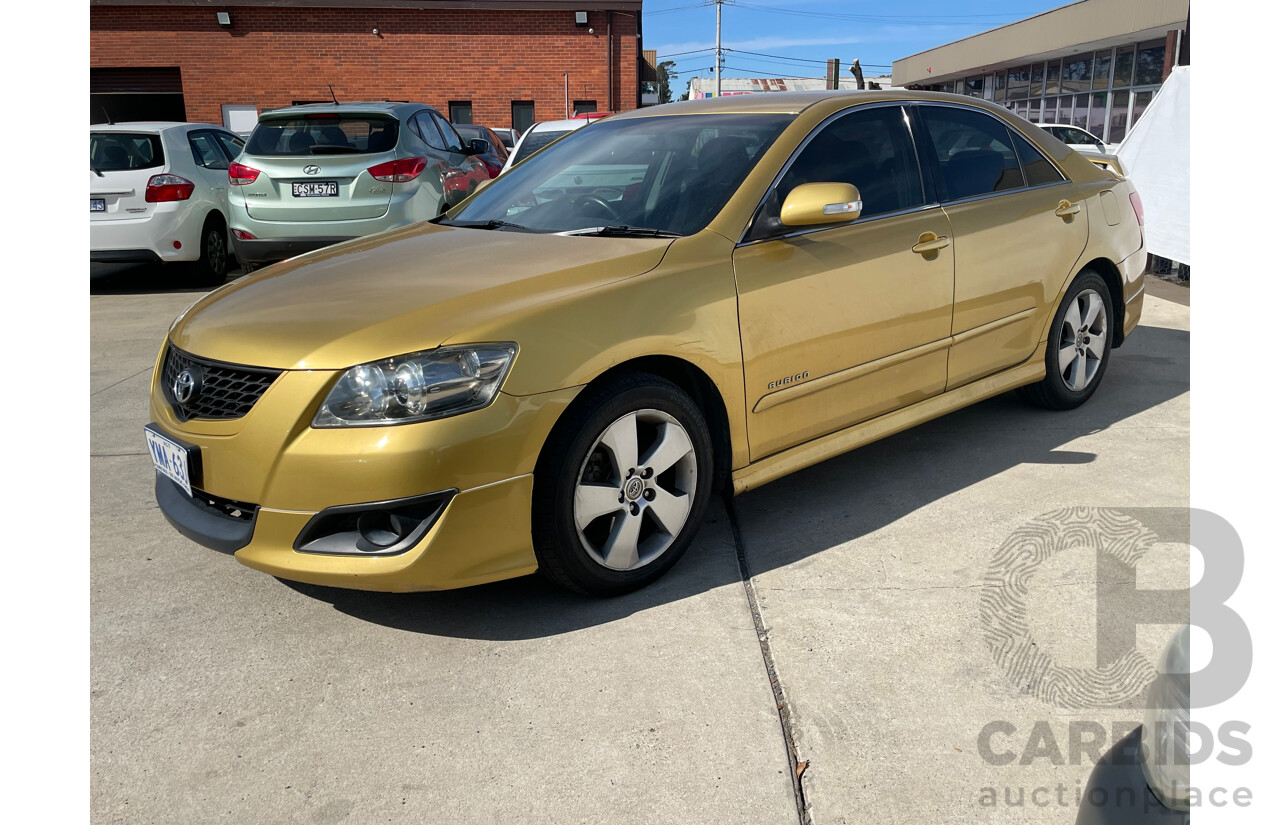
(1136, 202)
(243, 236)
(494, 170)
(241, 175)
(162, 188)
(398, 171)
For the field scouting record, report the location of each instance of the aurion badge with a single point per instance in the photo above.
(187, 385)
(311, 170)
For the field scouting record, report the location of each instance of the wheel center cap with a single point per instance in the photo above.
(633, 489)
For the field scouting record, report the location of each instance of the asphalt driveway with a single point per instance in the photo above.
(853, 655)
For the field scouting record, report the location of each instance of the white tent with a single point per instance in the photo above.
(1156, 155)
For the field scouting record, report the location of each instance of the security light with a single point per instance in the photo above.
(224, 19)
(580, 18)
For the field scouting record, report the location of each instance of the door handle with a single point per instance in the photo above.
(1066, 209)
(930, 242)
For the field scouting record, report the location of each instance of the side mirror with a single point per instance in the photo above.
(812, 204)
(479, 146)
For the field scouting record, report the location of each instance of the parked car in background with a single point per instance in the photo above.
(496, 157)
(1078, 139)
(158, 193)
(705, 295)
(539, 135)
(508, 137)
(318, 174)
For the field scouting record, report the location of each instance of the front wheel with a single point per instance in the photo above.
(622, 486)
(1079, 346)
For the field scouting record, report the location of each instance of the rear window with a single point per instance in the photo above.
(116, 151)
(535, 141)
(323, 134)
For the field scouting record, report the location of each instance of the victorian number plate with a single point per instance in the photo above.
(170, 459)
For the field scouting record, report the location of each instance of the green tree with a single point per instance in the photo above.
(666, 72)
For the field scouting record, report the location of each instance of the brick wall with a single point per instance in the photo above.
(273, 56)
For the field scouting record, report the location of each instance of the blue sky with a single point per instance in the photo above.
(814, 30)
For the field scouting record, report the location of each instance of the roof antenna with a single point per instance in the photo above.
(107, 115)
(332, 95)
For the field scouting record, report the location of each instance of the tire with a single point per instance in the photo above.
(1078, 350)
(599, 527)
(211, 268)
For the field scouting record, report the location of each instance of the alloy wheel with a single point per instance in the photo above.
(635, 489)
(1082, 341)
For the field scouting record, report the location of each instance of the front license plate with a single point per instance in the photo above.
(172, 460)
(97, 204)
(316, 189)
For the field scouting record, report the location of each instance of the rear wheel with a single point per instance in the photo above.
(211, 268)
(622, 486)
(1079, 346)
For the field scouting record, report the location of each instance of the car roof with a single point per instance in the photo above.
(395, 107)
(559, 125)
(796, 102)
(151, 126)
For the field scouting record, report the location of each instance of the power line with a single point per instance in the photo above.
(801, 59)
(695, 51)
(865, 18)
(648, 13)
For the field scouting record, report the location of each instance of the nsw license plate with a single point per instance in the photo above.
(172, 460)
(97, 204)
(316, 189)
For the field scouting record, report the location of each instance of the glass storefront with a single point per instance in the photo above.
(1100, 91)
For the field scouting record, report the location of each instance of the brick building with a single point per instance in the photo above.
(495, 62)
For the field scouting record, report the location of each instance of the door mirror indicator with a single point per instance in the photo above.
(811, 204)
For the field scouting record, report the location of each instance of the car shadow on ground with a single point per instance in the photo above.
(824, 506)
(145, 279)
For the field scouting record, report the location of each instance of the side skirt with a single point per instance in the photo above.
(761, 472)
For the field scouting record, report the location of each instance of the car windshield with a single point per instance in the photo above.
(669, 174)
(117, 151)
(323, 134)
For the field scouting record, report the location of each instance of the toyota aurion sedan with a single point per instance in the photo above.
(555, 375)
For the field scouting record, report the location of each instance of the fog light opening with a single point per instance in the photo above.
(380, 528)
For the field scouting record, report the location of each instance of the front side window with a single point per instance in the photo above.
(870, 149)
(974, 152)
(323, 134)
(670, 174)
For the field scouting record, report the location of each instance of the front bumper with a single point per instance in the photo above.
(273, 458)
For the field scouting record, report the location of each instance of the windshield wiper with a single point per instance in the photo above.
(495, 224)
(624, 231)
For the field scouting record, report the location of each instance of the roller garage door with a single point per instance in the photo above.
(131, 94)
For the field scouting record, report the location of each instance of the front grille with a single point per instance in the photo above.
(221, 390)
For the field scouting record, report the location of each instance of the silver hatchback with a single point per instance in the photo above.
(314, 175)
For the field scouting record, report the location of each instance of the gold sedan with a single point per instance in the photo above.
(557, 374)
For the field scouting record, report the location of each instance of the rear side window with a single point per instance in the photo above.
(535, 141)
(1035, 166)
(204, 148)
(451, 139)
(231, 144)
(975, 152)
(323, 134)
(117, 151)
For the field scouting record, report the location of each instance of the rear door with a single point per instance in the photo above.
(315, 166)
(120, 164)
(1019, 228)
(211, 164)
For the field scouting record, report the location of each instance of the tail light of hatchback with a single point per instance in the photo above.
(1136, 202)
(164, 188)
(241, 175)
(493, 169)
(398, 171)
(243, 235)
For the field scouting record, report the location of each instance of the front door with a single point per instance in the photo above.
(842, 323)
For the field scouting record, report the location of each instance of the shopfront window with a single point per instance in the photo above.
(1077, 73)
(1150, 67)
(1051, 77)
(1102, 70)
(973, 86)
(1140, 102)
(1037, 79)
(1119, 116)
(1124, 68)
(1098, 113)
(1000, 85)
(1019, 80)
(1080, 114)
(1033, 111)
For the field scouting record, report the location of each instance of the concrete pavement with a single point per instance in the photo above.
(219, 694)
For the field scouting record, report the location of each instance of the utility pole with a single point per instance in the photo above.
(719, 51)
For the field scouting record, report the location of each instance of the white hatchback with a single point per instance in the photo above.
(158, 193)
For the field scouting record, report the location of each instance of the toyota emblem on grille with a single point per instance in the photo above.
(311, 170)
(187, 385)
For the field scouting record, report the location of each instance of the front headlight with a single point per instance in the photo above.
(420, 386)
(1166, 745)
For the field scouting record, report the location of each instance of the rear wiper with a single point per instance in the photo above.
(623, 231)
(495, 224)
(97, 171)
